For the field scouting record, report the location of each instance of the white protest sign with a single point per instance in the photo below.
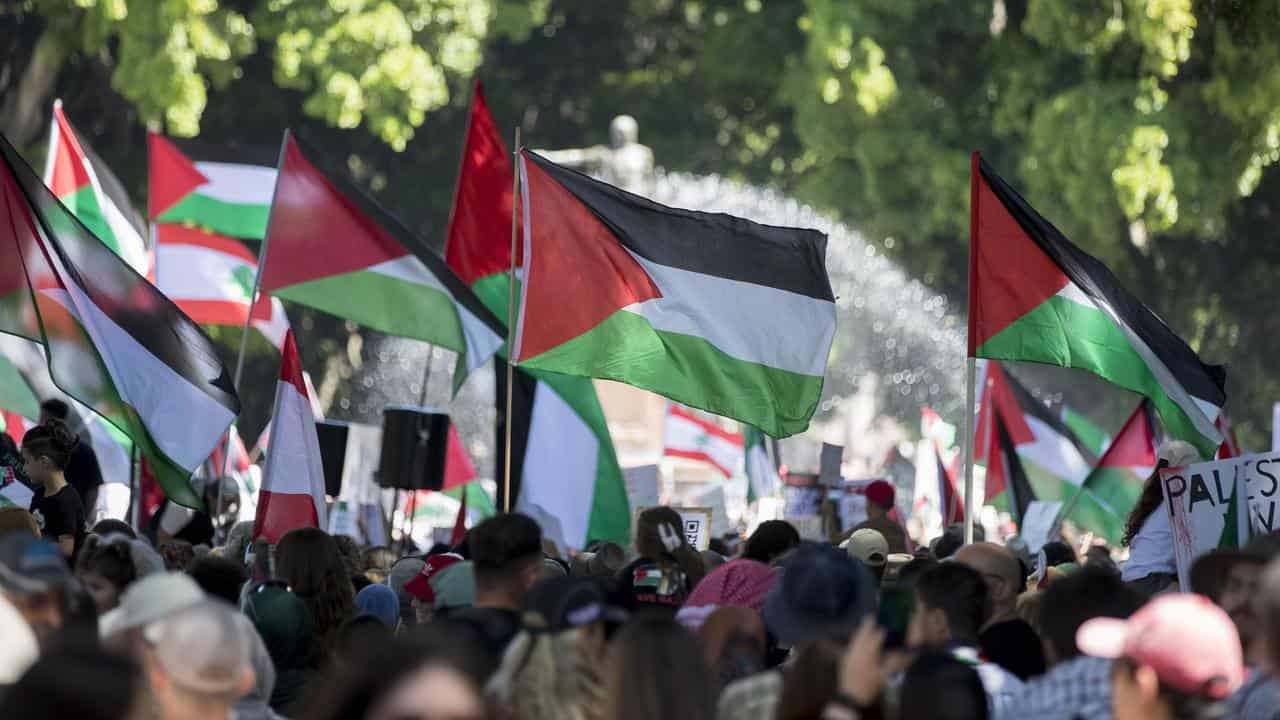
(1208, 506)
(343, 521)
(714, 498)
(853, 501)
(1037, 522)
(642, 485)
(829, 464)
(803, 496)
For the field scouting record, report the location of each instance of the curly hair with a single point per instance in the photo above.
(309, 560)
(52, 439)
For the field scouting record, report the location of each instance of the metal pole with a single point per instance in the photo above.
(971, 380)
(511, 324)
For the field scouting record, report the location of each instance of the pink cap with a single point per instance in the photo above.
(880, 492)
(1190, 643)
(420, 585)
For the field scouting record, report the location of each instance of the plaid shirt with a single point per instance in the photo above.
(1078, 688)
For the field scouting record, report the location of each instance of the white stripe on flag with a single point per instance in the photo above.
(558, 479)
(1054, 452)
(192, 272)
(684, 435)
(237, 182)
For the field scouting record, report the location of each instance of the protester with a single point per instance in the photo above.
(1178, 658)
(734, 644)
(56, 505)
(937, 686)
(951, 601)
(420, 590)
(82, 470)
(148, 600)
(81, 681)
(377, 562)
(379, 602)
(667, 567)
(34, 578)
(1147, 534)
(111, 526)
(655, 669)
(256, 703)
(107, 566)
(454, 588)
(951, 540)
(16, 519)
(284, 623)
(869, 546)
(603, 562)
(1075, 686)
(198, 662)
(771, 540)
(880, 498)
(400, 573)
(737, 582)
(219, 577)
(307, 559)
(1006, 639)
(506, 556)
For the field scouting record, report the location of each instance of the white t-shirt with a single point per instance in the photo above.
(1151, 550)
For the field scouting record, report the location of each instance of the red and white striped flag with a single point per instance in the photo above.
(292, 494)
(689, 436)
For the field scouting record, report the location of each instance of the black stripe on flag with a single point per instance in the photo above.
(1031, 406)
(709, 243)
(1207, 382)
(1016, 484)
(523, 391)
(230, 153)
(462, 294)
(123, 295)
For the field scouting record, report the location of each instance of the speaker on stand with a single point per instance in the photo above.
(414, 447)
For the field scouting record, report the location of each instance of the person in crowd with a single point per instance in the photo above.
(178, 554)
(711, 560)
(1075, 686)
(12, 467)
(359, 640)
(82, 469)
(399, 574)
(111, 526)
(20, 648)
(603, 562)
(1006, 639)
(56, 505)
(1177, 658)
(880, 497)
(350, 552)
(1099, 555)
(771, 540)
(667, 567)
(108, 565)
(422, 592)
(869, 546)
(454, 588)
(1057, 552)
(377, 562)
(951, 601)
(506, 557)
(414, 677)
(552, 669)
(256, 704)
(198, 662)
(655, 669)
(952, 539)
(1147, 534)
(307, 559)
(737, 582)
(734, 644)
(17, 519)
(78, 680)
(937, 686)
(219, 577)
(823, 595)
(285, 626)
(239, 540)
(34, 579)
(147, 600)
(379, 602)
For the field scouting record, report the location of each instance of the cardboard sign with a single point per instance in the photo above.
(1037, 523)
(1208, 507)
(642, 485)
(696, 522)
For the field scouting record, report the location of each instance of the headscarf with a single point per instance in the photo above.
(285, 625)
(737, 582)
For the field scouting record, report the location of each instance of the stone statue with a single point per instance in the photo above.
(624, 162)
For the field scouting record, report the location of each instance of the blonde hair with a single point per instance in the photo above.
(551, 675)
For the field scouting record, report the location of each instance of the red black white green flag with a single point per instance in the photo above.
(113, 341)
(1036, 297)
(712, 311)
(1112, 489)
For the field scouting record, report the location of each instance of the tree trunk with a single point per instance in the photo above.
(24, 109)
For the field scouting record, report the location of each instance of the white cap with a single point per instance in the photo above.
(151, 598)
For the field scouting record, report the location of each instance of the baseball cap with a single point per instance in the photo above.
(1190, 642)
(455, 586)
(420, 586)
(30, 566)
(880, 492)
(869, 546)
(565, 603)
(823, 593)
(149, 599)
(202, 647)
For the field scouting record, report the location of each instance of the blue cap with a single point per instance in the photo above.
(823, 593)
(30, 566)
(379, 602)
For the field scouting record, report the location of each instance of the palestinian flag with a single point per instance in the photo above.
(334, 249)
(113, 341)
(224, 190)
(563, 462)
(88, 188)
(1036, 297)
(762, 476)
(1112, 489)
(950, 495)
(709, 310)
(685, 435)
(1046, 454)
(16, 394)
(1095, 439)
(292, 494)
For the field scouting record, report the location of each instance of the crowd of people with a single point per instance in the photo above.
(107, 622)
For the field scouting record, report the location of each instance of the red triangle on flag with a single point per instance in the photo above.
(172, 175)
(1134, 445)
(67, 159)
(458, 468)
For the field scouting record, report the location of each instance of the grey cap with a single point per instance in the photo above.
(30, 566)
(149, 599)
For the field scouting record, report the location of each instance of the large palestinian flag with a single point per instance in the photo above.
(88, 188)
(1112, 489)
(1036, 297)
(223, 190)
(113, 341)
(563, 462)
(1029, 451)
(210, 274)
(332, 248)
(710, 310)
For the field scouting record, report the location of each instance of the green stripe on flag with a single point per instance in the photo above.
(1093, 437)
(83, 203)
(219, 216)
(1108, 494)
(1067, 334)
(16, 394)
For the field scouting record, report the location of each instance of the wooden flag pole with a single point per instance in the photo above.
(971, 380)
(511, 324)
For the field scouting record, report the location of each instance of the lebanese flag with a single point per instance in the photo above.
(1036, 297)
(331, 247)
(292, 494)
(688, 436)
(1113, 488)
(264, 439)
(706, 309)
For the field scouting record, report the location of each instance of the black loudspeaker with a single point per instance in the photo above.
(414, 441)
(333, 453)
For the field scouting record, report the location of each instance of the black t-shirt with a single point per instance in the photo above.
(59, 514)
(1014, 646)
(83, 472)
(645, 586)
